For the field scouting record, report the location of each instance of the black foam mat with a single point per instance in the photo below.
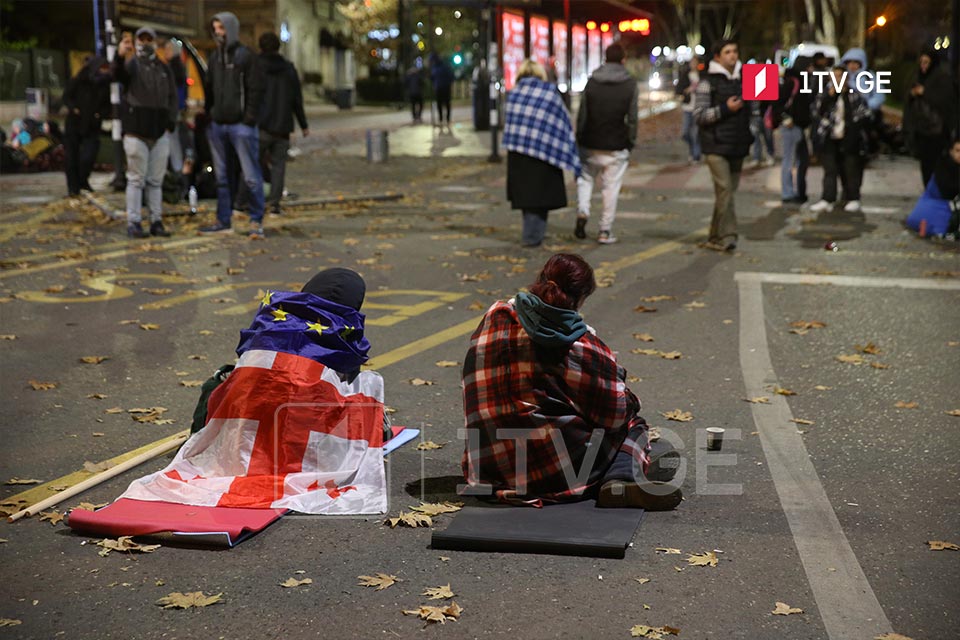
(572, 529)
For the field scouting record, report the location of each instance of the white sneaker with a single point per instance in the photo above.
(821, 207)
(605, 237)
(852, 207)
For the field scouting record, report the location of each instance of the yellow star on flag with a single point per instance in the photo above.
(346, 331)
(316, 326)
(279, 315)
(266, 299)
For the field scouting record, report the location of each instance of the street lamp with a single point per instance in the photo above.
(881, 20)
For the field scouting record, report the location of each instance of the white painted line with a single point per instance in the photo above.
(849, 608)
(846, 281)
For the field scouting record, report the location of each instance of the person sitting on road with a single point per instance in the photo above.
(548, 415)
(937, 212)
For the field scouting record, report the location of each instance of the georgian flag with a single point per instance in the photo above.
(282, 432)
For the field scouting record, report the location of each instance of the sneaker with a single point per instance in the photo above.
(651, 496)
(256, 232)
(580, 230)
(135, 230)
(276, 210)
(156, 229)
(852, 207)
(821, 207)
(604, 237)
(216, 227)
(718, 245)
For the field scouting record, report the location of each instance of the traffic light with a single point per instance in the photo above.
(457, 59)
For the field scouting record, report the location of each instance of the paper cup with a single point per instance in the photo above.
(714, 438)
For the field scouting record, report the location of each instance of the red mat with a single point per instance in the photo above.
(217, 526)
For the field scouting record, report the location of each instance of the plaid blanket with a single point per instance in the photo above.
(548, 403)
(537, 124)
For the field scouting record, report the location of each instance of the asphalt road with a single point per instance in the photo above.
(831, 517)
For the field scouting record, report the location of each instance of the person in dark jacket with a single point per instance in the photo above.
(234, 93)
(792, 113)
(841, 139)
(724, 137)
(171, 54)
(687, 80)
(442, 76)
(929, 112)
(413, 83)
(149, 113)
(606, 132)
(87, 99)
(283, 99)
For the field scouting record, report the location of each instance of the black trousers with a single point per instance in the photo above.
(416, 107)
(846, 166)
(928, 152)
(81, 153)
(443, 100)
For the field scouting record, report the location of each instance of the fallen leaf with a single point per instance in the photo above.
(436, 614)
(52, 516)
(678, 415)
(444, 558)
(205, 332)
(879, 365)
(653, 633)
(642, 580)
(429, 445)
(122, 322)
(708, 559)
(293, 582)
(194, 356)
(8, 336)
(125, 543)
(645, 352)
(892, 636)
(381, 581)
(114, 410)
(854, 358)
(439, 593)
(420, 382)
(234, 271)
(42, 386)
(2, 540)
(643, 337)
(808, 324)
(670, 551)
(97, 467)
(89, 506)
(801, 421)
(940, 545)
(869, 348)
(157, 292)
(57, 288)
(97, 396)
(783, 609)
(783, 392)
(906, 405)
(821, 387)
(953, 412)
(447, 363)
(149, 327)
(9, 622)
(191, 383)
(695, 305)
(671, 355)
(642, 309)
(23, 481)
(410, 520)
(758, 400)
(177, 600)
(436, 508)
(657, 298)
(159, 583)
(476, 305)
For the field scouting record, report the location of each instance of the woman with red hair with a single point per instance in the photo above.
(549, 417)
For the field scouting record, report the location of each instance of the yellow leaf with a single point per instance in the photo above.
(420, 382)
(205, 332)
(643, 337)
(157, 292)
(670, 551)
(381, 581)
(642, 580)
(642, 309)
(821, 387)
(447, 363)
(783, 609)
(953, 412)
(671, 355)
(177, 600)
(476, 305)
(9, 622)
(97, 467)
(758, 400)
(234, 271)
(191, 383)
(97, 396)
(52, 516)
(23, 481)
(940, 545)
(124, 543)
(293, 582)
(429, 445)
(350, 242)
(89, 506)
(854, 359)
(57, 288)
(436, 508)
(869, 348)
(653, 633)
(678, 415)
(783, 392)
(695, 305)
(879, 365)
(42, 386)
(646, 352)
(436, 614)
(149, 327)
(708, 559)
(8, 336)
(410, 520)
(657, 298)
(892, 636)
(808, 324)
(802, 421)
(439, 593)
(93, 359)
(906, 405)
(194, 356)
(114, 410)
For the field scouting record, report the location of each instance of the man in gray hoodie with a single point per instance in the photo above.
(606, 132)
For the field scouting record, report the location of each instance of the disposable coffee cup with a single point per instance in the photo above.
(714, 438)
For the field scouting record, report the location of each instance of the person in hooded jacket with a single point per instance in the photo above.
(724, 137)
(233, 91)
(87, 99)
(929, 112)
(606, 133)
(283, 100)
(855, 61)
(149, 113)
(535, 368)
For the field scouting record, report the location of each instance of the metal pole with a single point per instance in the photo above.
(119, 158)
(494, 128)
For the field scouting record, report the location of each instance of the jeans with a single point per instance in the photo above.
(273, 157)
(725, 172)
(146, 166)
(610, 167)
(245, 140)
(691, 135)
(761, 136)
(794, 153)
(81, 153)
(176, 150)
(835, 161)
(534, 226)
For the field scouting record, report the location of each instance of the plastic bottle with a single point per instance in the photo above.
(192, 199)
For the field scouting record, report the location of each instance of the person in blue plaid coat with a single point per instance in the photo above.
(538, 136)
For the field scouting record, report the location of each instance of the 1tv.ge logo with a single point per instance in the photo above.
(761, 82)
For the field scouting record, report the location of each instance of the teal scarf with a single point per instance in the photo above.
(546, 325)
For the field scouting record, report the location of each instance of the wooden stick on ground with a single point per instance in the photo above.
(93, 481)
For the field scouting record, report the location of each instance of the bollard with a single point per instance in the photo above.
(377, 146)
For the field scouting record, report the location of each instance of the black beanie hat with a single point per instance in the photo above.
(339, 285)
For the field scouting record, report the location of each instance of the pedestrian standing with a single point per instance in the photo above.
(149, 114)
(442, 76)
(606, 133)
(413, 83)
(234, 93)
(792, 112)
(538, 136)
(725, 138)
(87, 99)
(171, 54)
(841, 141)
(928, 113)
(762, 130)
(687, 87)
(283, 100)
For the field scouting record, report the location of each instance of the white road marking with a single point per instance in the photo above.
(846, 281)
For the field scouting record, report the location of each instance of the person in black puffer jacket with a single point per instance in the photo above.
(724, 137)
(87, 99)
